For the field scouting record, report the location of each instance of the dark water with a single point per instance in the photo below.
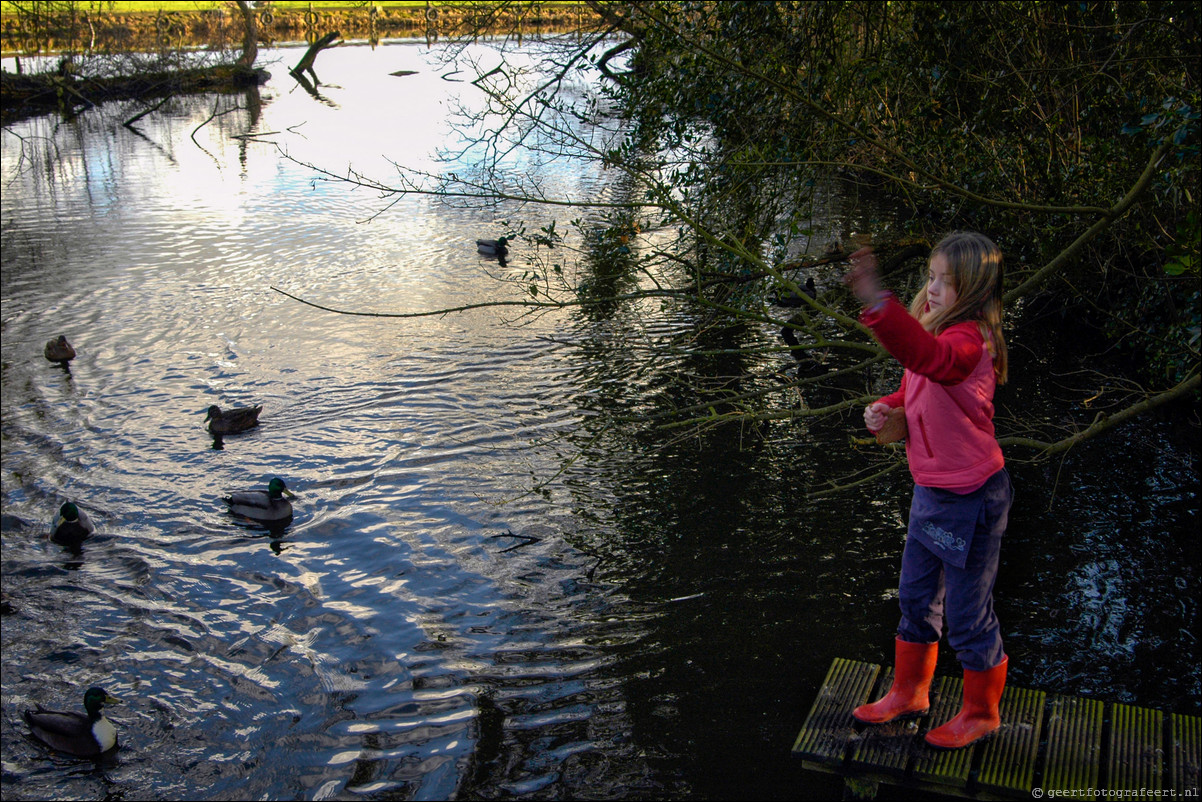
(448, 615)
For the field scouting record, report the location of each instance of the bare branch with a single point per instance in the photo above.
(130, 122)
(530, 304)
(1104, 422)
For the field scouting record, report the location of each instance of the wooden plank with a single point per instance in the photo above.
(1117, 748)
(1136, 760)
(1074, 754)
(1185, 733)
(1008, 756)
(885, 748)
(830, 727)
(943, 767)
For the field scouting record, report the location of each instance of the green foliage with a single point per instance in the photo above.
(1183, 254)
(1025, 119)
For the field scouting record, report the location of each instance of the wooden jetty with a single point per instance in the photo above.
(1047, 744)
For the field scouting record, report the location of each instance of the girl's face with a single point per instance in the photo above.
(941, 285)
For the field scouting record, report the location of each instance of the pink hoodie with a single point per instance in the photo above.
(947, 392)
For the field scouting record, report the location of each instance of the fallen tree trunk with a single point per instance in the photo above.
(27, 95)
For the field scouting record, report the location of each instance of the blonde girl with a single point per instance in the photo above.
(951, 345)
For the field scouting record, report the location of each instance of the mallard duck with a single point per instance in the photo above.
(262, 505)
(59, 350)
(232, 421)
(72, 527)
(493, 247)
(85, 736)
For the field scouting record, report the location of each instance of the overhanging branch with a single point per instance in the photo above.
(1104, 423)
(1115, 212)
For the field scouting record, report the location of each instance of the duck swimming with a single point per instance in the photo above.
(75, 733)
(232, 421)
(793, 299)
(59, 350)
(493, 247)
(262, 505)
(72, 527)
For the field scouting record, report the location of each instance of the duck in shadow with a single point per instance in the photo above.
(793, 300)
(232, 421)
(59, 350)
(90, 735)
(72, 527)
(268, 507)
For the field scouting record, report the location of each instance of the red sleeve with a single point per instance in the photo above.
(946, 359)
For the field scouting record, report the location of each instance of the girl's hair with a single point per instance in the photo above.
(976, 268)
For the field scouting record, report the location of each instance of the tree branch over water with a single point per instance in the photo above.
(718, 127)
(1103, 422)
(523, 304)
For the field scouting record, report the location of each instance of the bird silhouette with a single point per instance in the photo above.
(793, 300)
(59, 350)
(493, 247)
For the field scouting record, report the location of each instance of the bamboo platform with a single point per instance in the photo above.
(1049, 745)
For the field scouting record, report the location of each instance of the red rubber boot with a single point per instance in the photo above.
(978, 715)
(913, 668)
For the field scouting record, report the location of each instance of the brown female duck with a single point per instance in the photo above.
(232, 421)
(59, 350)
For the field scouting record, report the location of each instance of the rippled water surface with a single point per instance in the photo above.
(449, 613)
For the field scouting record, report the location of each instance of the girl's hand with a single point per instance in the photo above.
(874, 416)
(862, 278)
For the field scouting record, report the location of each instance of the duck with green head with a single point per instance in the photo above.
(72, 527)
(262, 505)
(493, 247)
(75, 733)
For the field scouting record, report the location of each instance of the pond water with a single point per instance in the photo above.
(450, 614)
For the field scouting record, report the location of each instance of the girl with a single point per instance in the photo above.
(951, 345)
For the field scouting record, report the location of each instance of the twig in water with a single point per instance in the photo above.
(528, 538)
(212, 117)
(588, 575)
(130, 122)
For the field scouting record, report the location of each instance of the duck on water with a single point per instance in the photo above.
(493, 247)
(72, 527)
(59, 350)
(264, 506)
(232, 421)
(77, 734)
